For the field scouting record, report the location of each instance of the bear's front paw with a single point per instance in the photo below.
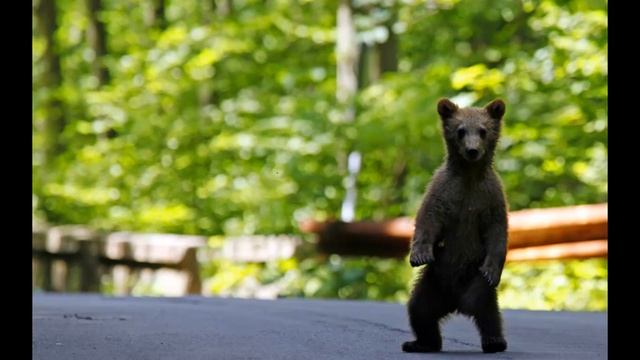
(421, 255)
(491, 274)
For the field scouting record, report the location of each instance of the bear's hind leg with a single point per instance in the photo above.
(427, 307)
(480, 301)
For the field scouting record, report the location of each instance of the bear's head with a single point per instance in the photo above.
(471, 133)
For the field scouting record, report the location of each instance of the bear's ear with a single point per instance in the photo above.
(446, 108)
(495, 109)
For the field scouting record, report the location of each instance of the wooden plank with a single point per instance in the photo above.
(557, 225)
(259, 248)
(359, 239)
(400, 227)
(575, 250)
(66, 238)
(150, 247)
(527, 228)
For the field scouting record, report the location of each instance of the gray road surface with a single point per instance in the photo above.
(94, 327)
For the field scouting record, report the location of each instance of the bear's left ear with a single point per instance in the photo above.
(495, 109)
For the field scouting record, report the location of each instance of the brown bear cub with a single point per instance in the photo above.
(461, 232)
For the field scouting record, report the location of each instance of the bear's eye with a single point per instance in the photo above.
(461, 133)
(483, 133)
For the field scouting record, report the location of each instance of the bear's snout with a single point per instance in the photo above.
(472, 153)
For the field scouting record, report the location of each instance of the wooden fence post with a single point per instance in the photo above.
(88, 252)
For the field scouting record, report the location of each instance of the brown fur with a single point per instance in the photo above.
(461, 232)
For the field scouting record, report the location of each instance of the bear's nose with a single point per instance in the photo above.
(472, 153)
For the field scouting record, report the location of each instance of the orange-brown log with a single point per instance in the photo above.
(575, 250)
(557, 225)
(527, 228)
(399, 227)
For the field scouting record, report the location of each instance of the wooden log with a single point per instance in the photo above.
(361, 239)
(557, 225)
(575, 250)
(526, 228)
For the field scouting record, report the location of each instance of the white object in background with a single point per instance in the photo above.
(349, 203)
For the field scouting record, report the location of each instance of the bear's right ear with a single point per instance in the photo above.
(446, 108)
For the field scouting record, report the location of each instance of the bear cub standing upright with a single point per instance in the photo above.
(461, 232)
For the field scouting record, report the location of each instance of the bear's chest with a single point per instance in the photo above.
(467, 203)
(465, 215)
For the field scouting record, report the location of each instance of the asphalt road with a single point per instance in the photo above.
(94, 327)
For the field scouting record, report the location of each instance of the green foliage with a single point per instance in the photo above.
(543, 285)
(549, 63)
(555, 285)
(235, 163)
(226, 124)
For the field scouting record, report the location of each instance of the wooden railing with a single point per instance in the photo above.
(63, 251)
(534, 234)
(75, 258)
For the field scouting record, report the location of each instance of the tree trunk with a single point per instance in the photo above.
(347, 86)
(225, 8)
(368, 66)
(98, 41)
(156, 15)
(208, 10)
(388, 51)
(347, 54)
(51, 79)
